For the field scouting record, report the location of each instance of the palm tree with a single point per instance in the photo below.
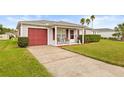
(87, 21)
(82, 21)
(92, 18)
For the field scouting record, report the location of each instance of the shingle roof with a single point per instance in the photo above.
(49, 23)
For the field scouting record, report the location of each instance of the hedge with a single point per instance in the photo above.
(22, 41)
(90, 38)
(80, 38)
(110, 38)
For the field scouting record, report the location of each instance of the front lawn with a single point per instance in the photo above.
(105, 50)
(15, 61)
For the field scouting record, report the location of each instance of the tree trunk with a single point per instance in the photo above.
(83, 36)
(84, 32)
(92, 27)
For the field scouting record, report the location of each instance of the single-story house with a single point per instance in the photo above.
(7, 36)
(4, 36)
(104, 32)
(44, 32)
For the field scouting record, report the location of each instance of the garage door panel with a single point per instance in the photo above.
(37, 36)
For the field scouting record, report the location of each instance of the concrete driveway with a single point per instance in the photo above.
(65, 63)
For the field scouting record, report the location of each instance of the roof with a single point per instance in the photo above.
(49, 23)
(102, 29)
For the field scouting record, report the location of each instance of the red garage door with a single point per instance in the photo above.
(37, 36)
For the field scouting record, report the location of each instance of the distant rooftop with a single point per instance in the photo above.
(102, 29)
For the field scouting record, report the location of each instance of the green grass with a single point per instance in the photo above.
(106, 50)
(15, 61)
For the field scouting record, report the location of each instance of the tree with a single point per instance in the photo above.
(1, 27)
(120, 29)
(87, 21)
(116, 35)
(3, 30)
(82, 21)
(92, 18)
(116, 29)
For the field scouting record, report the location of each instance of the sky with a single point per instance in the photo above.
(101, 21)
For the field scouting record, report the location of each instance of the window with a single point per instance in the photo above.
(72, 34)
(66, 33)
(53, 33)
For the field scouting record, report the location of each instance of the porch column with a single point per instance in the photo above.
(55, 35)
(83, 36)
(69, 35)
(78, 34)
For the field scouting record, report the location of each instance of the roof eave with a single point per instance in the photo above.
(19, 23)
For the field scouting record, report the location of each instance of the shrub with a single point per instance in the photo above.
(22, 41)
(104, 38)
(112, 38)
(90, 38)
(80, 38)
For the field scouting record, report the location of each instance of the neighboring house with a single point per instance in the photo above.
(45, 32)
(104, 32)
(7, 36)
(4, 36)
(13, 34)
